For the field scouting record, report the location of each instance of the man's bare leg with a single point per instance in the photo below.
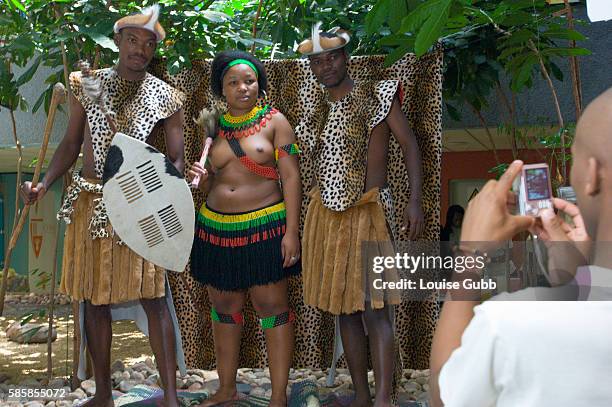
(271, 300)
(227, 343)
(99, 335)
(161, 338)
(380, 332)
(355, 347)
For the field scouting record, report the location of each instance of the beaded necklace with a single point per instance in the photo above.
(246, 125)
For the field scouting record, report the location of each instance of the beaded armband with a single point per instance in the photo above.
(286, 150)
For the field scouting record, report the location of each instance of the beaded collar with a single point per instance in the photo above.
(246, 125)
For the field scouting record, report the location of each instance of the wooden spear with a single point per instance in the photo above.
(59, 97)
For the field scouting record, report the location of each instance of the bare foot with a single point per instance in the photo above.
(172, 401)
(361, 402)
(99, 401)
(383, 403)
(279, 402)
(221, 396)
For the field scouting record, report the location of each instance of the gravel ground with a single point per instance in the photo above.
(25, 365)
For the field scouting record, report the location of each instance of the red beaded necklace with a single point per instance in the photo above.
(246, 125)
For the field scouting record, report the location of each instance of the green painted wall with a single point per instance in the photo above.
(19, 258)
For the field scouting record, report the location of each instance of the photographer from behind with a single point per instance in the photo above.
(510, 351)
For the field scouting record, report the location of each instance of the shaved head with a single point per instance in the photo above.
(594, 129)
(591, 174)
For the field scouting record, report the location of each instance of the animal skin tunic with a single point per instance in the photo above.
(136, 107)
(340, 152)
(95, 266)
(341, 215)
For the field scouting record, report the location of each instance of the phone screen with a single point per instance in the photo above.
(536, 183)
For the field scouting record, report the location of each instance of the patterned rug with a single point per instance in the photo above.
(303, 394)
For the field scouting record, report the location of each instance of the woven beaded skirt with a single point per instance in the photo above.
(236, 251)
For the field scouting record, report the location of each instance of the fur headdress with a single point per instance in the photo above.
(147, 20)
(324, 41)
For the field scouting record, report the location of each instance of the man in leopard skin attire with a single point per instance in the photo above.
(351, 203)
(106, 277)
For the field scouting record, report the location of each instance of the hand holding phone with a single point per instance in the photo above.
(534, 189)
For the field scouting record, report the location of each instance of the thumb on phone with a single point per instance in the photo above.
(553, 226)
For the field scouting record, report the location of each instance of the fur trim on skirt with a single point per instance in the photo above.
(102, 270)
(335, 276)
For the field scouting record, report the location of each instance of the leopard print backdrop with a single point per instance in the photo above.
(294, 91)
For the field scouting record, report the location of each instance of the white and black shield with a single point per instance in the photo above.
(148, 202)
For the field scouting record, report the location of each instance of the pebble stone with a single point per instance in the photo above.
(34, 299)
(253, 382)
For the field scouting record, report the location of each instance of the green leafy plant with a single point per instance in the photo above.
(27, 317)
(493, 50)
(34, 161)
(57, 35)
(44, 277)
(485, 41)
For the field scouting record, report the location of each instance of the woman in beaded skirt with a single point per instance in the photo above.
(247, 230)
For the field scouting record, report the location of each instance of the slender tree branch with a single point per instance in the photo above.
(76, 339)
(16, 216)
(504, 99)
(207, 4)
(447, 148)
(512, 134)
(574, 67)
(514, 122)
(536, 149)
(96, 61)
(255, 25)
(52, 301)
(482, 120)
(57, 98)
(513, 102)
(55, 251)
(553, 91)
(476, 139)
(63, 51)
(76, 39)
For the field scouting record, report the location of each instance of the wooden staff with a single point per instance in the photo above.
(59, 97)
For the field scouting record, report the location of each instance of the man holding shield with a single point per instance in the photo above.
(97, 269)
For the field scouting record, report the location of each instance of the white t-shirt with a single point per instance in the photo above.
(534, 353)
